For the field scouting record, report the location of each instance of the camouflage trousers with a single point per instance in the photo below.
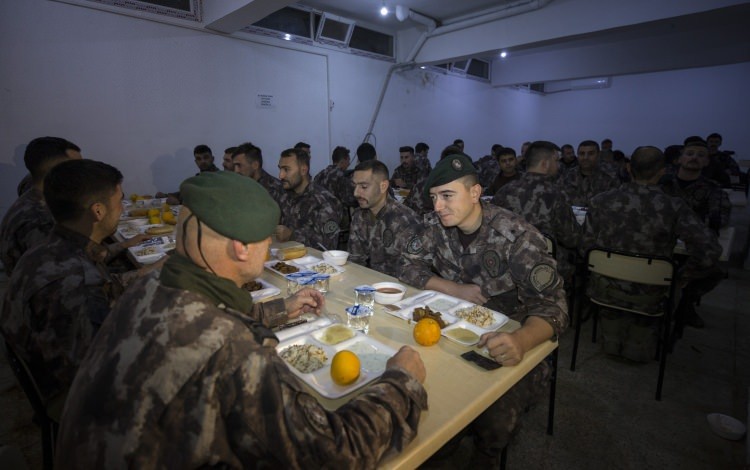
(628, 335)
(494, 428)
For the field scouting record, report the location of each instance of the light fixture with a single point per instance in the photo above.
(503, 55)
(422, 67)
(287, 37)
(383, 9)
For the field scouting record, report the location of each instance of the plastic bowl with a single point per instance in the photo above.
(388, 298)
(336, 257)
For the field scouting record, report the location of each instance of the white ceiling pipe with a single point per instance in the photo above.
(487, 16)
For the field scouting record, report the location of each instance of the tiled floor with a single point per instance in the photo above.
(606, 414)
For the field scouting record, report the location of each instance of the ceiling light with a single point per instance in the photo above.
(383, 10)
(422, 67)
(503, 55)
(287, 37)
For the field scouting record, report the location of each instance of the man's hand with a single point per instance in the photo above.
(503, 347)
(305, 300)
(408, 359)
(470, 292)
(283, 233)
(141, 237)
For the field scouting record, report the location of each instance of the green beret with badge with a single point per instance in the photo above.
(233, 205)
(449, 169)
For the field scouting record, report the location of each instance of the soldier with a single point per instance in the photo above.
(488, 167)
(381, 226)
(204, 158)
(587, 179)
(489, 256)
(247, 160)
(310, 214)
(71, 150)
(660, 221)
(703, 195)
(226, 161)
(406, 174)
(418, 200)
(28, 221)
(366, 151)
(335, 179)
(568, 157)
(184, 372)
(422, 160)
(304, 146)
(61, 290)
(537, 197)
(727, 164)
(508, 163)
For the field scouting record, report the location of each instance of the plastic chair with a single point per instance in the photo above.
(552, 251)
(639, 269)
(42, 413)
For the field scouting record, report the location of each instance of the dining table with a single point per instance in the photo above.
(458, 390)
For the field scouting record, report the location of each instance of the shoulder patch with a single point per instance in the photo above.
(414, 246)
(491, 263)
(542, 277)
(330, 227)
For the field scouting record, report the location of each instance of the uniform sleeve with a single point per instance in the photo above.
(540, 288)
(701, 244)
(357, 243)
(419, 259)
(567, 228)
(719, 209)
(272, 313)
(272, 417)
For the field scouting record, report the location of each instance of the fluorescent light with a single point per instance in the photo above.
(503, 55)
(287, 37)
(383, 10)
(422, 67)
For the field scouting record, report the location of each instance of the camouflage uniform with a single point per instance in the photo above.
(508, 260)
(416, 200)
(314, 216)
(582, 188)
(58, 295)
(174, 381)
(335, 180)
(728, 163)
(424, 165)
(27, 223)
(660, 221)
(543, 204)
(410, 175)
(378, 241)
(704, 196)
(25, 184)
(488, 168)
(500, 181)
(272, 185)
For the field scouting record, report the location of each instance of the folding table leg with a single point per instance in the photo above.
(552, 390)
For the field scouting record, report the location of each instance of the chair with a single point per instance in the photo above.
(43, 414)
(639, 269)
(552, 251)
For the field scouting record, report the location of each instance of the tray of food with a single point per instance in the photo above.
(460, 321)
(260, 289)
(307, 263)
(310, 356)
(282, 268)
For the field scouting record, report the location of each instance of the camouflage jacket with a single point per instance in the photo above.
(59, 294)
(488, 168)
(174, 381)
(272, 185)
(416, 200)
(424, 165)
(379, 241)
(541, 201)
(704, 196)
(582, 188)
(25, 184)
(508, 260)
(314, 216)
(728, 164)
(500, 181)
(410, 175)
(27, 223)
(643, 219)
(335, 180)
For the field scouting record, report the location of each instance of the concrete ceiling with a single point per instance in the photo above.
(546, 39)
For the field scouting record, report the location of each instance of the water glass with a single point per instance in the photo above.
(358, 318)
(322, 282)
(364, 296)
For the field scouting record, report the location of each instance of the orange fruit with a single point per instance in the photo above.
(153, 212)
(344, 368)
(154, 219)
(168, 217)
(426, 332)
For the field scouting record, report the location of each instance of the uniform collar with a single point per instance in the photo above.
(96, 252)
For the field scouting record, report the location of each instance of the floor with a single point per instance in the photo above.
(606, 415)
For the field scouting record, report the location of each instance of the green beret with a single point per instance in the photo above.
(449, 169)
(231, 204)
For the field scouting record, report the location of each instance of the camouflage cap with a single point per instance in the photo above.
(449, 169)
(233, 205)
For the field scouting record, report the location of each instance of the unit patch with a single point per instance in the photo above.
(542, 277)
(414, 246)
(330, 227)
(491, 263)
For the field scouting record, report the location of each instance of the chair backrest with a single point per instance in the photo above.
(25, 379)
(631, 267)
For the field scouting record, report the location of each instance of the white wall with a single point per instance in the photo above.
(140, 95)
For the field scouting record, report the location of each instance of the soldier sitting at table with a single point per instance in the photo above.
(248, 161)
(639, 218)
(61, 290)
(381, 226)
(509, 171)
(184, 372)
(489, 256)
(703, 195)
(586, 180)
(537, 197)
(310, 214)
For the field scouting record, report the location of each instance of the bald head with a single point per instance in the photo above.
(646, 163)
